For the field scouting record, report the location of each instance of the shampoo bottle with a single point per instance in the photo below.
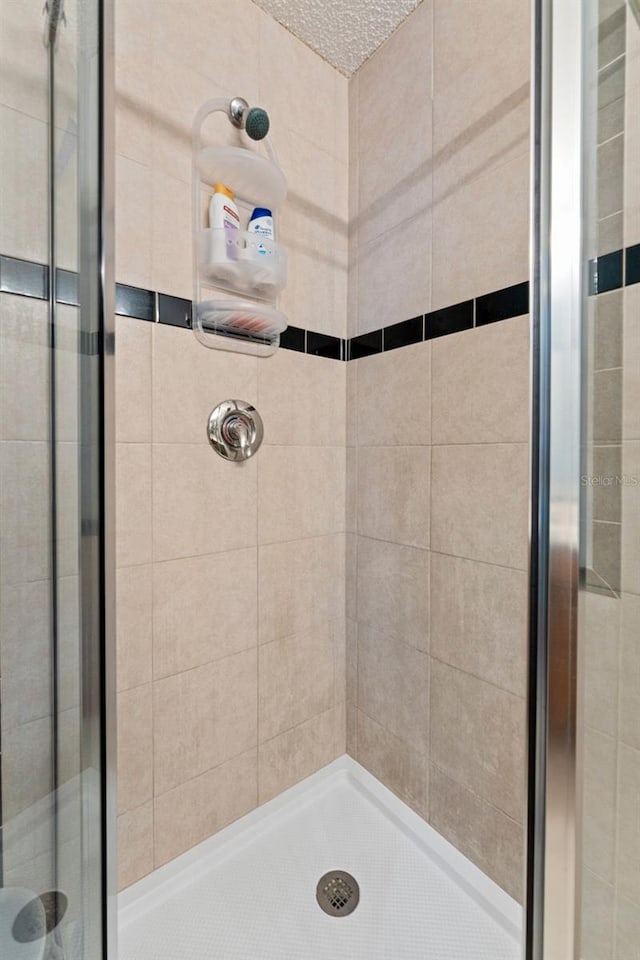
(223, 216)
(261, 223)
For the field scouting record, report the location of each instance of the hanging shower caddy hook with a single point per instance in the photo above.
(250, 267)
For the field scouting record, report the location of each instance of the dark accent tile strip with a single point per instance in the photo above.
(632, 267)
(67, 287)
(174, 311)
(605, 273)
(366, 345)
(502, 304)
(610, 271)
(403, 333)
(324, 345)
(135, 302)
(440, 323)
(294, 338)
(23, 277)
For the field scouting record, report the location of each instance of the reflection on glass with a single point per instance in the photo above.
(50, 782)
(610, 610)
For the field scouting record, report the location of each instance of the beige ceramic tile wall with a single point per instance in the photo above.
(27, 594)
(25, 544)
(170, 58)
(23, 145)
(632, 133)
(25, 612)
(230, 585)
(611, 743)
(437, 458)
(439, 185)
(25, 584)
(438, 587)
(231, 577)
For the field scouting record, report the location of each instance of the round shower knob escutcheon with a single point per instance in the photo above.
(235, 430)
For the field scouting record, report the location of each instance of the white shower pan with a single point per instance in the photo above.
(249, 893)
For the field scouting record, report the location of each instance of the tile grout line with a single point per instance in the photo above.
(618, 727)
(429, 592)
(356, 526)
(217, 766)
(152, 568)
(259, 385)
(477, 794)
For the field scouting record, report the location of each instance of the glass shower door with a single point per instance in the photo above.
(52, 472)
(584, 851)
(609, 613)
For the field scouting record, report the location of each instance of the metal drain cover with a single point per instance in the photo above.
(338, 893)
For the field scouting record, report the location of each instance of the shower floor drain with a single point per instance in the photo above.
(338, 893)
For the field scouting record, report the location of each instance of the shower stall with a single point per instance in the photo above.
(320, 537)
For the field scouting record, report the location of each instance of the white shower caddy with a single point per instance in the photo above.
(235, 297)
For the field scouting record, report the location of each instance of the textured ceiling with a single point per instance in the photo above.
(344, 32)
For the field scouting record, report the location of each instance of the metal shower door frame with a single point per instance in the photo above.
(106, 287)
(552, 916)
(96, 437)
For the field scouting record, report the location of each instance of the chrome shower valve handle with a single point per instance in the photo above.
(235, 430)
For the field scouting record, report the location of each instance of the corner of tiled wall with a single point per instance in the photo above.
(320, 508)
